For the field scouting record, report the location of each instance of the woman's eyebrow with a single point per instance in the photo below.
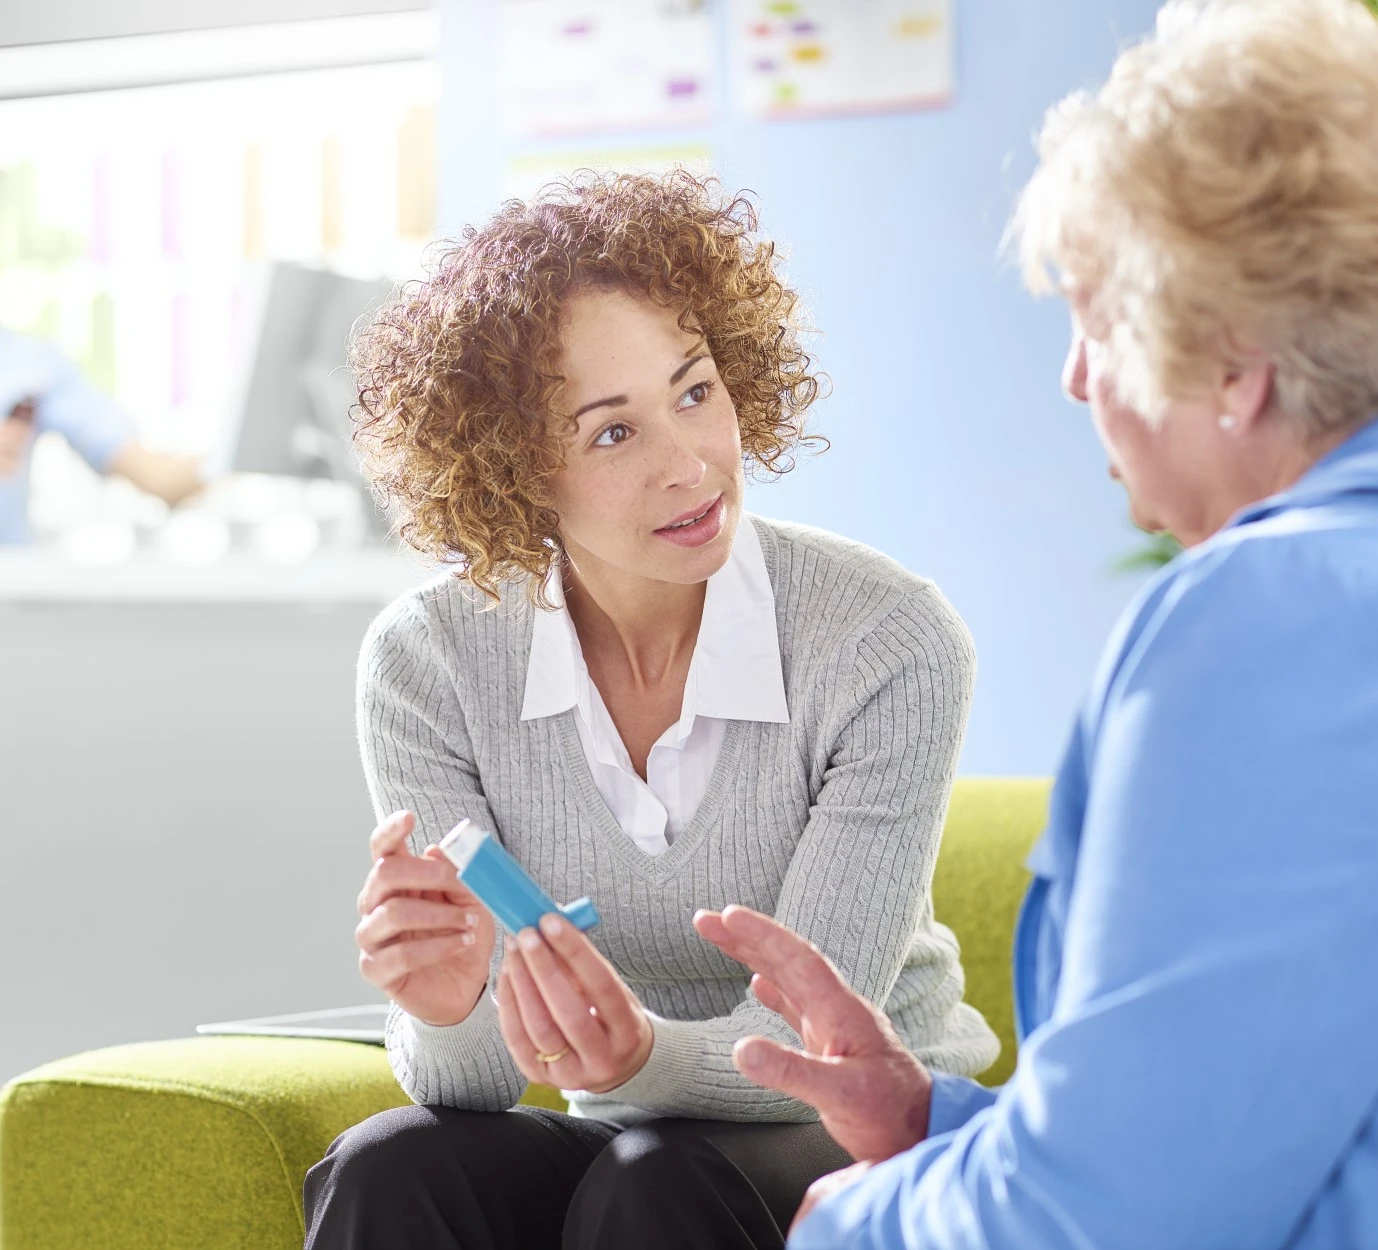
(618, 401)
(684, 368)
(613, 401)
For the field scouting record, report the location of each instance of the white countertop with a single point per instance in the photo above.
(367, 575)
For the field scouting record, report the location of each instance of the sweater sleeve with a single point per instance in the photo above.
(404, 699)
(858, 882)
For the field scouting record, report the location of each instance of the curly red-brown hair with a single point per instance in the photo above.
(459, 424)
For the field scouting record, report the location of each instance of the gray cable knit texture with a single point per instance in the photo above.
(830, 823)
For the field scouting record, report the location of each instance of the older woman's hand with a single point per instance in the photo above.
(871, 1093)
(827, 1185)
(423, 938)
(568, 1019)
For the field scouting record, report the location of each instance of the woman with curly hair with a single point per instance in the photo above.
(651, 699)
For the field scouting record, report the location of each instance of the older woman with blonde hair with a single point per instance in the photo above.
(653, 700)
(1195, 962)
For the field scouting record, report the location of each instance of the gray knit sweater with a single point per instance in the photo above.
(830, 823)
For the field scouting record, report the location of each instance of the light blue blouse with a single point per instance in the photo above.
(63, 401)
(1196, 964)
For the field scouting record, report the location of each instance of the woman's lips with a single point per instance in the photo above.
(699, 532)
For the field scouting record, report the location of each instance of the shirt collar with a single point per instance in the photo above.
(1350, 468)
(553, 671)
(735, 672)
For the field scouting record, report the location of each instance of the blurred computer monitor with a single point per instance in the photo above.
(292, 416)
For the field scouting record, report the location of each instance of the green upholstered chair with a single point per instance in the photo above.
(992, 824)
(202, 1144)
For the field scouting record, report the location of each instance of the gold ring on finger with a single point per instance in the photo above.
(553, 1056)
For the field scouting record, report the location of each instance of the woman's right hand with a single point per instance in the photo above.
(423, 938)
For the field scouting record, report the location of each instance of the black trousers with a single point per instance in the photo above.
(437, 1179)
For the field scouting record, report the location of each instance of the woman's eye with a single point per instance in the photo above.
(696, 395)
(613, 435)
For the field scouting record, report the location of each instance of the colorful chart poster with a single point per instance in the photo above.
(587, 66)
(795, 58)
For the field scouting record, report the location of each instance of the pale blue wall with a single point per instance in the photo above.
(953, 449)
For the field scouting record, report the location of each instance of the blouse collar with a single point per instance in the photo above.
(735, 672)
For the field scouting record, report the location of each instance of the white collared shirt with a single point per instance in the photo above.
(734, 674)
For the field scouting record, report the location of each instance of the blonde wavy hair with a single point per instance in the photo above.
(1219, 195)
(459, 423)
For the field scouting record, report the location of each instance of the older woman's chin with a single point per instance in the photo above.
(1149, 519)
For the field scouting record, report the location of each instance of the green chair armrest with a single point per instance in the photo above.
(978, 885)
(202, 1142)
(198, 1142)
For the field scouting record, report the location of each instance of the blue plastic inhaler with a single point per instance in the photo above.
(503, 885)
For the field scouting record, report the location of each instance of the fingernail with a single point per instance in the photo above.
(508, 944)
(471, 917)
(530, 940)
(551, 925)
(468, 939)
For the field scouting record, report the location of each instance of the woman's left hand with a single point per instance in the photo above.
(567, 1017)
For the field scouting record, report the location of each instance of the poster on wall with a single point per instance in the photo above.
(812, 58)
(570, 67)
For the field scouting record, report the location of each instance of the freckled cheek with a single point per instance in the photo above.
(627, 499)
(594, 506)
(618, 492)
(722, 448)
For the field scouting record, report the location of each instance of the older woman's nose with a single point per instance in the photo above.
(1074, 370)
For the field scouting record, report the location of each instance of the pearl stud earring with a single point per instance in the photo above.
(1227, 422)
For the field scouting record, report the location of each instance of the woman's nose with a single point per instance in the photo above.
(681, 465)
(684, 469)
(1074, 370)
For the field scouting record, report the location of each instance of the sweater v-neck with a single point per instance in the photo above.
(653, 867)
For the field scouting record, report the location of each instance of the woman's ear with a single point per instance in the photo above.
(1247, 391)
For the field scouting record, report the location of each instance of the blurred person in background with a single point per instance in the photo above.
(1194, 970)
(40, 390)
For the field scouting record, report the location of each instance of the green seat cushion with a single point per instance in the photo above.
(978, 885)
(202, 1142)
(199, 1142)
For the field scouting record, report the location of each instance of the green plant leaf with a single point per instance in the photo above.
(1160, 549)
